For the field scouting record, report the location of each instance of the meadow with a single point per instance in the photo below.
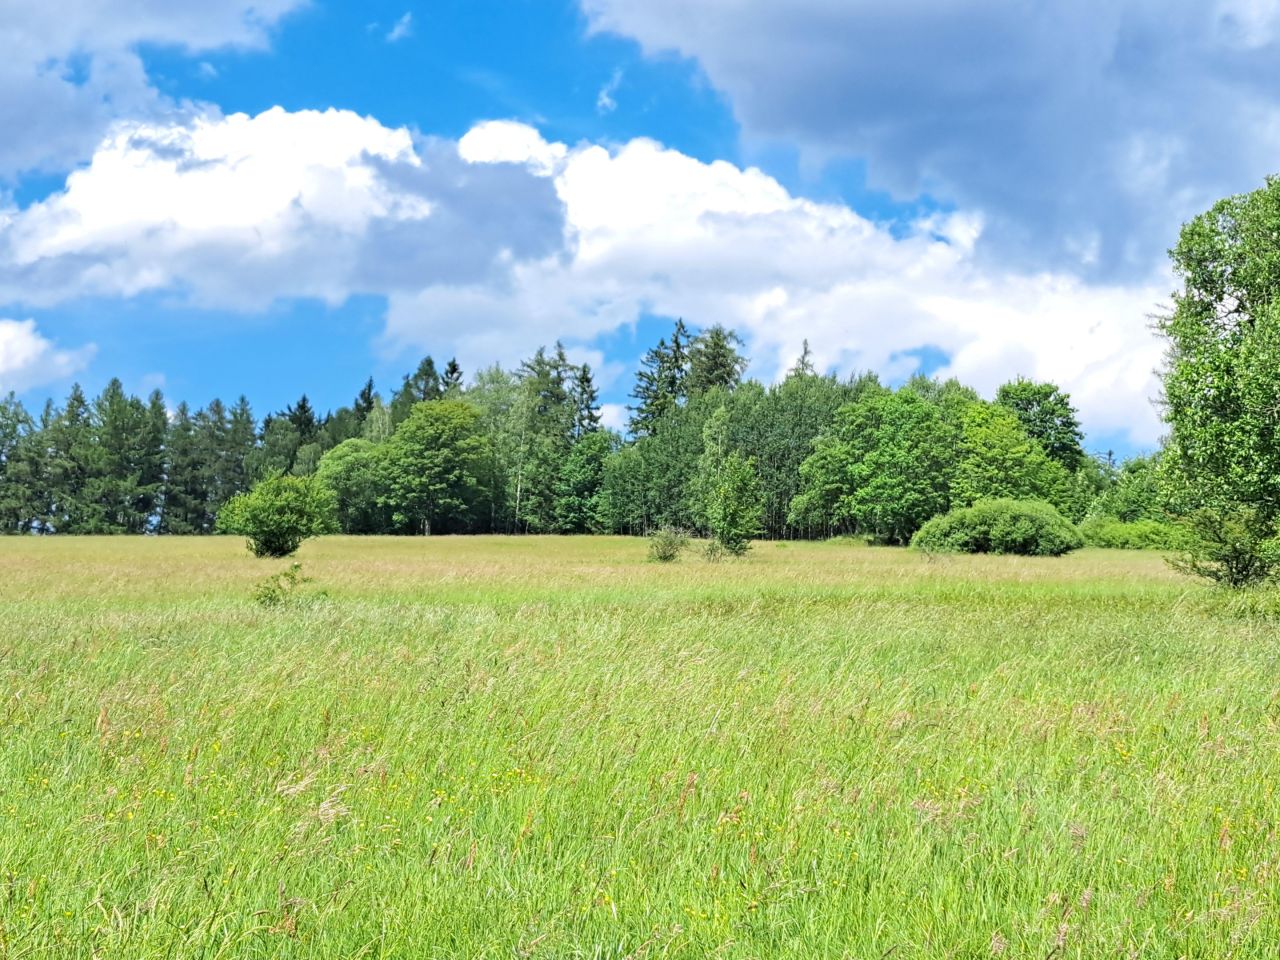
(549, 747)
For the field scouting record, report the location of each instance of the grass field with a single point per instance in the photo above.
(537, 747)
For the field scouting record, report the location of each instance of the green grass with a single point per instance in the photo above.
(550, 748)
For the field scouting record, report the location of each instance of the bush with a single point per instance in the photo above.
(1234, 546)
(281, 588)
(1136, 535)
(1028, 527)
(667, 543)
(279, 513)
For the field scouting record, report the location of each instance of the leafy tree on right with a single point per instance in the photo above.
(1222, 380)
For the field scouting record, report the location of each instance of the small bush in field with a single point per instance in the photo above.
(1028, 527)
(279, 513)
(280, 588)
(666, 544)
(715, 551)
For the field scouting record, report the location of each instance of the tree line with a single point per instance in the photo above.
(523, 451)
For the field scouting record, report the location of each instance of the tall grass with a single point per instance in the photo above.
(553, 748)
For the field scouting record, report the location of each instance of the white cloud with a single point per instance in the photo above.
(242, 210)
(28, 359)
(605, 102)
(68, 69)
(614, 416)
(402, 30)
(1085, 131)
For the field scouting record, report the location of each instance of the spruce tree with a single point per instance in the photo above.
(421, 386)
(15, 426)
(660, 382)
(586, 402)
(714, 361)
(73, 460)
(364, 400)
(303, 417)
(242, 440)
(451, 382)
(185, 495)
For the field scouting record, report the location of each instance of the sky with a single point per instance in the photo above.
(272, 197)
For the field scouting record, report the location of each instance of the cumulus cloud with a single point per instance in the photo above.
(239, 211)
(1084, 131)
(68, 69)
(28, 359)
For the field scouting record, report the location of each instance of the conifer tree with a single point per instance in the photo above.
(185, 496)
(660, 382)
(363, 405)
(586, 402)
(714, 361)
(422, 385)
(451, 382)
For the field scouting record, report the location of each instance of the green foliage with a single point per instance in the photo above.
(998, 460)
(421, 386)
(1048, 417)
(714, 361)
(666, 544)
(279, 513)
(1144, 534)
(728, 489)
(661, 382)
(1223, 371)
(546, 421)
(883, 468)
(282, 589)
(355, 470)
(433, 466)
(1233, 546)
(578, 506)
(1027, 527)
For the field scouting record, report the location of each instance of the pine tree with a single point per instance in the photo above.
(660, 382)
(16, 426)
(422, 386)
(242, 440)
(364, 400)
(73, 460)
(714, 361)
(303, 417)
(185, 496)
(586, 402)
(126, 483)
(277, 448)
(451, 382)
(804, 364)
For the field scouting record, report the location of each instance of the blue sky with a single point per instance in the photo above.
(280, 196)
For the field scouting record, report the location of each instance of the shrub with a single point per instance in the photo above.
(667, 543)
(1135, 535)
(1027, 527)
(279, 513)
(1234, 546)
(280, 588)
